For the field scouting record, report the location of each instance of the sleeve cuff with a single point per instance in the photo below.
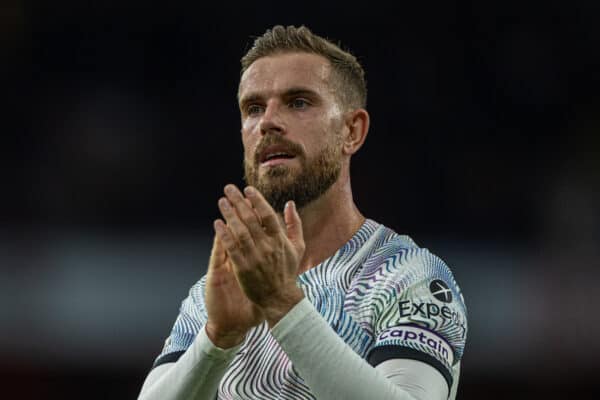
(205, 345)
(294, 317)
(201, 347)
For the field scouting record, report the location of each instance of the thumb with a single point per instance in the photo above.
(293, 225)
(218, 256)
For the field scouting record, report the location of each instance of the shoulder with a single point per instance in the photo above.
(403, 283)
(397, 261)
(192, 310)
(190, 320)
(418, 308)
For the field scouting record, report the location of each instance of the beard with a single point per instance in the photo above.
(280, 183)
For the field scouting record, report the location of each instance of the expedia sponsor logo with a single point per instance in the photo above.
(420, 337)
(409, 309)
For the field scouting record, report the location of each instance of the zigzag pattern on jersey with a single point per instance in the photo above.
(411, 284)
(364, 302)
(326, 286)
(337, 270)
(357, 290)
(262, 370)
(192, 317)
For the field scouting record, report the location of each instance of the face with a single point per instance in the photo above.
(291, 128)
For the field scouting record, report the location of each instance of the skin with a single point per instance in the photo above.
(257, 253)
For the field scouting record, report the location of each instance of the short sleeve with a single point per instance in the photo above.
(192, 317)
(420, 313)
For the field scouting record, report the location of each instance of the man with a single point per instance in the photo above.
(304, 297)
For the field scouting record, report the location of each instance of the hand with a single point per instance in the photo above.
(265, 255)
(230, 313)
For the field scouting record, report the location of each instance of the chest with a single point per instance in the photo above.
(262, 370)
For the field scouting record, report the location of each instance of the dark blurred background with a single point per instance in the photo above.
(121, 127)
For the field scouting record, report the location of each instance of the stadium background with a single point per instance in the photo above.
(120, 129)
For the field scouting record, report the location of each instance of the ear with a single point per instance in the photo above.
(357, 127)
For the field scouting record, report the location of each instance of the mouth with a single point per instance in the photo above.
(275, 155)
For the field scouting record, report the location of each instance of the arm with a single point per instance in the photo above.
(333, 371)
(330, 368)
(195, 375)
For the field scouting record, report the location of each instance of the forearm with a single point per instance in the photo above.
(196, 375)
(328, 366)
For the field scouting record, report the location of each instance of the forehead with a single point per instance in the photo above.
(274, 74)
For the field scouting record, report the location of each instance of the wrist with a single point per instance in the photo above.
(223, 340)
(275, 312)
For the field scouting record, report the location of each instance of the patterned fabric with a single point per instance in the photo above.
(382, 294)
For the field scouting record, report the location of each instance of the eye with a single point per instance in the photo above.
(254, 109)
(299, 103)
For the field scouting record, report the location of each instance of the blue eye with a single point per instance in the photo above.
(254, 109)
(299, 103)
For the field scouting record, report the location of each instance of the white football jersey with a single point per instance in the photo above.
(382, 294)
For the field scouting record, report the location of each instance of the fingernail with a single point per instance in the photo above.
(249, 190)
(224, 203)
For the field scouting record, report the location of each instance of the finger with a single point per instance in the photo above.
(217, 254)
(245, 211)
(247, 200)
(230, 246)
(223, 236)
(293, 225)
(219, 260)
(264, 210)
(235, 227)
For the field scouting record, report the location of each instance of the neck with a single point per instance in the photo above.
(328, 223)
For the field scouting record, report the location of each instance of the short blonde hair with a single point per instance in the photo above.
(348, 76)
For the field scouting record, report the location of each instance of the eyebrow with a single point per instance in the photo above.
(291, 92)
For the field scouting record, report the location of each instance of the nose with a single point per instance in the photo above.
(271, 120)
